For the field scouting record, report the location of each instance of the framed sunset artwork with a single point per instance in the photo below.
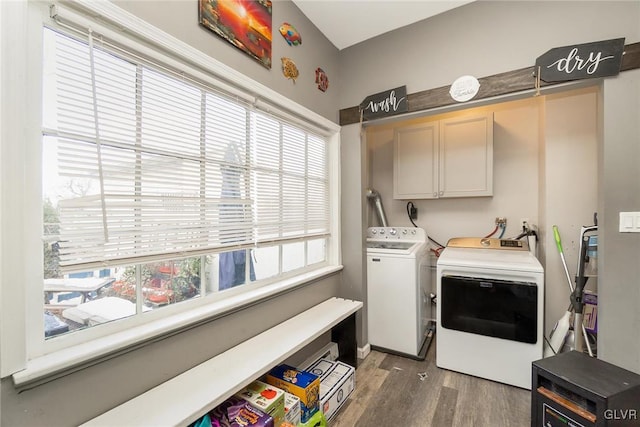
(246, 24)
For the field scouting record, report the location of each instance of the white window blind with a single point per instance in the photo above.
(158, 166)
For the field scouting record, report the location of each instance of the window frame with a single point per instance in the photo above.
(25, 353)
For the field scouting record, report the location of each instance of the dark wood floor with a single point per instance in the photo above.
(397, 391)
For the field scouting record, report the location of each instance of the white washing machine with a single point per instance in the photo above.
(490, 309)
(398, 289)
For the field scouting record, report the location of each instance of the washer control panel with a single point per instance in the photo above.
(412, 234)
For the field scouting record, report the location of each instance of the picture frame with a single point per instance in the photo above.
(245, 24)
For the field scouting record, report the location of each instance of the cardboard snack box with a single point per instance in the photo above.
(291, 409)
(337, 382)
(321, 367)
(267, 398)
(302, 384)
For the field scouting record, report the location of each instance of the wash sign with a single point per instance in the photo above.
(383, 104)
(581, 61)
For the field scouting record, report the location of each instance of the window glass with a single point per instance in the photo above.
(80, 300)
(169, 282)
(266, 261)
(316, 251)
(292, 256)
(150, 178)
(233, 269)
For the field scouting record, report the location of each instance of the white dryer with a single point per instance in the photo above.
(398, 289)
(490, 309)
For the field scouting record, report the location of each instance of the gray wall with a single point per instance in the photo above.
(353, 222)
(480, 39)
(569, 193)
(619, 253)
(180, 19)
(490, 37)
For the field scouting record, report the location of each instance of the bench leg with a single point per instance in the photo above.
(344, 334)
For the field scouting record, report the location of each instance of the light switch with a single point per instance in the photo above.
(629, 222)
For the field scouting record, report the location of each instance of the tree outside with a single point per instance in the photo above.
(162, 282)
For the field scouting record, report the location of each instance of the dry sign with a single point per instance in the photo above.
(581, 61)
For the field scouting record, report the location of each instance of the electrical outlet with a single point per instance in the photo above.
(501, 220)
(414, 212)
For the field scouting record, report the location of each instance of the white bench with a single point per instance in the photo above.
(188, 396)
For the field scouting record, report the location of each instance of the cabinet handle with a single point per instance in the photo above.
(435, 194)
(442, 193)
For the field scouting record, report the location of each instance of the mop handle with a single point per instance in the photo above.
(556, 235)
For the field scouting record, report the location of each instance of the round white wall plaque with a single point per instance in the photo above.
(464, 88)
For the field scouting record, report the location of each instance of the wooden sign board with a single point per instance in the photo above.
(581, 61)
(383, 104)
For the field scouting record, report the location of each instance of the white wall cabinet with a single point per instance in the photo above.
(415, 161)
(446, 158)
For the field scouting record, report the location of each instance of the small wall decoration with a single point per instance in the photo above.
(387, 103)
(289, 69)
(322, 79)
(290, 34)
(464, 88)
(246, 24)
(581, 61)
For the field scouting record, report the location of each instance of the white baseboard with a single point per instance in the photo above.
(364, 351)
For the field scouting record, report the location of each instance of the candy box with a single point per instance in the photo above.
(291, 409)
(265, 397)
(337, 382)
(236, 412)
(302, 384)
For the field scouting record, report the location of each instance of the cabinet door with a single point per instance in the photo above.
(466, 156)
(415, 161)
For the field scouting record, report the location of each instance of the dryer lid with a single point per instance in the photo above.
(490, 259)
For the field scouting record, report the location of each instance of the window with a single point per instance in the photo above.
(159, 190)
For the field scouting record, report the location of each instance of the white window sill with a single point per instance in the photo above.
(58, 363)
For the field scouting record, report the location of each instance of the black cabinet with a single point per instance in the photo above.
(572, 389)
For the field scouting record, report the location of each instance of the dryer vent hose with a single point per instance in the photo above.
(374, 197)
